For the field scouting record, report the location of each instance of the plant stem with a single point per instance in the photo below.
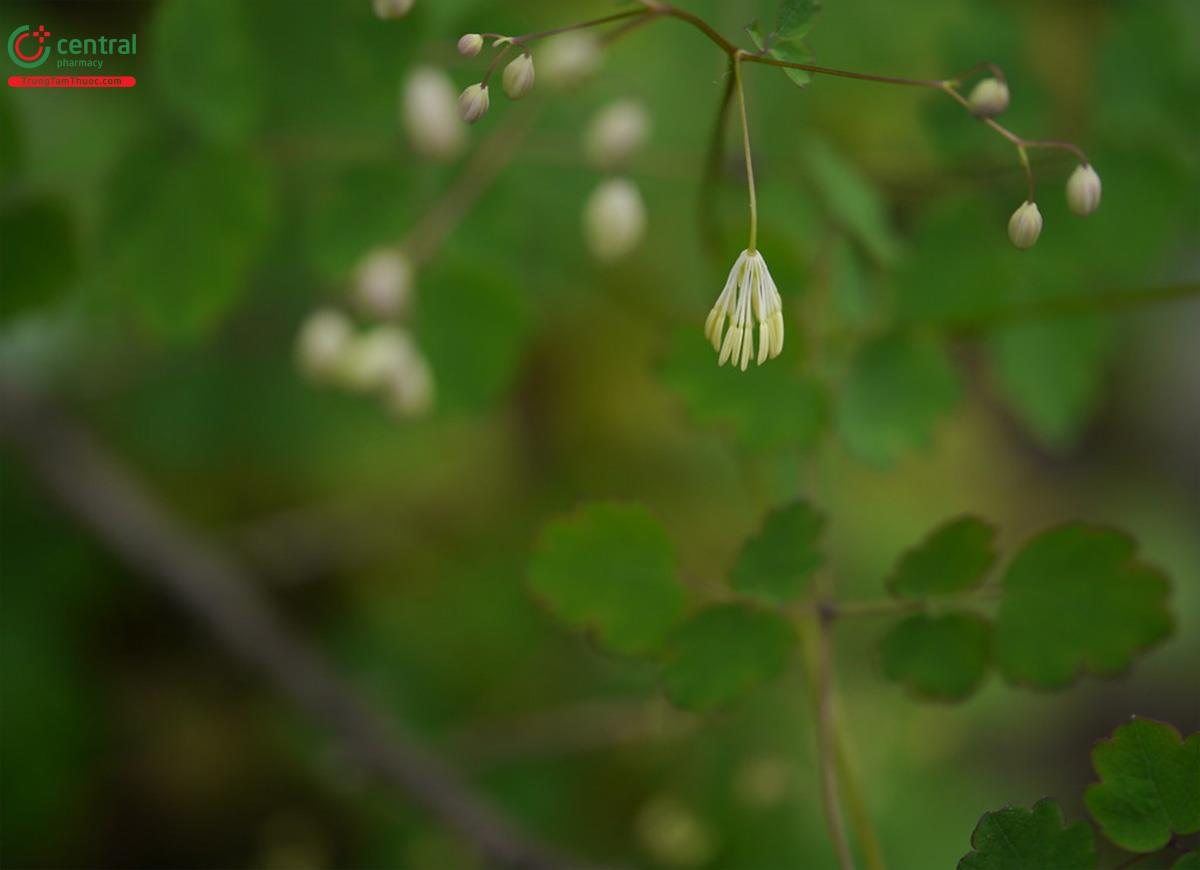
(741, 97)
(709, 229)
(595, 22)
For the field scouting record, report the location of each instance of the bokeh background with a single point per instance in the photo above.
(163, 246)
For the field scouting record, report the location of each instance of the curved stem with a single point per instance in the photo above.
(709, 229)
(741, 97)
(495, 63)
(595, 22)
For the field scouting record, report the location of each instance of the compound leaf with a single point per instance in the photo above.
(796, 18)
(723, 652)
(778, 563)
(1015, 838)
(610, 568)
(1076, 599)
(943, 658)
(954, 557)
(1150, 785)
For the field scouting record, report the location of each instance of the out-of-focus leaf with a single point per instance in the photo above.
(1077, 599)
(796, 18)
(852, 201)
(898, 388)
(767, 407)
(11, 143)
(181, 234)
(778, 563)
(38, 255)
(207, 66)
(611, 569)
(1190, 861)
(1150, 785)
(1015, 838)
(472, 322)
(789, 51)
(954, 557)
(939, 657)
(723, 652)
(1051, 371)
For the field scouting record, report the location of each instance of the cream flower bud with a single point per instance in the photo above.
(616, 134)
(409, 391)
(614, 220)
(383, 282)
(473, 103)
(518, 77)
(1083, 190)
(470, 44)
(371, 360)
(1025, 226)
(569, 60)
(430, 116)
(322, 342)
(989, 98)
(392, 8)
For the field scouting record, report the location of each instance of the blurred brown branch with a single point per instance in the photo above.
(111, 503)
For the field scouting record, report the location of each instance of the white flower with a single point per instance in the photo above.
(383, 282)
(470, 44)
(1025, 226)
(409, 391)
(392, 8)
(430, 116)
(473, 103)
(569, 60)
(372, 359)
(322, 342)
(749, 292)
(614, 220)
(518, 77)
(989, 98)
(1083, 190)
(616, 134)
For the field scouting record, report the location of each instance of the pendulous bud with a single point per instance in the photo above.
(392, 8)
(1025, 226)
(614, 220)
(616, 134)
(322, 343)
(989, 98)
(430, 116)
(470, 44)
(569, 60)
(473, 103)
(518, 77)
(383, 282)
(1083, 190)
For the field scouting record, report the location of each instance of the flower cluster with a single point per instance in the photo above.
(749, 291)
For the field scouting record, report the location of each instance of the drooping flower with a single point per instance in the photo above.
(614, 220)
(470, 44)
(750, 296)
(616, 133)
(473, 103)
(989, 98)
(1025, 226)
(383, 282)
(519, 76)
(1083, 190)
(430, 116)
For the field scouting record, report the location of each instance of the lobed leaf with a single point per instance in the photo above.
(778, 563)
(1076, 599)
(610, 568)
(1150, 785)
(938, 657)
(723, 652)
(954, 557)
(796, 18)
(1015, 838)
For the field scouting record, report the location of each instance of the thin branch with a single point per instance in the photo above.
(746, 152)
(111, 503)
(710, 230)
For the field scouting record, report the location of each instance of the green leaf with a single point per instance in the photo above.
(1190, 861)
(851, 200)
(796, 18)
(610, 568)
(1052, 372)
(723, 652)
(207, 67)
(1015, 838)
(939, 657)
(898, 388)
(1076, 599)
(954, 557)
(778, 563)
(765, 408)
(181, 234)
(790, 52)
(38, 253)
(1150, 785)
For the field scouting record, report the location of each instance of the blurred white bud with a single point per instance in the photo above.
(473, 103)
(383, 282)
(616, 133)
(1025, 226)
(1083, 190)
(322, 342)
(372, 359)
(614, 220)
(392, 8)
(989, 98)
(430, 115)
(409, 391)
(569, 60)
(762, 782)
(673, 834)
(518, 77)
(470, 44)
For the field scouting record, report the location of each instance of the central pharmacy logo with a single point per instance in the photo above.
(27, 47)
